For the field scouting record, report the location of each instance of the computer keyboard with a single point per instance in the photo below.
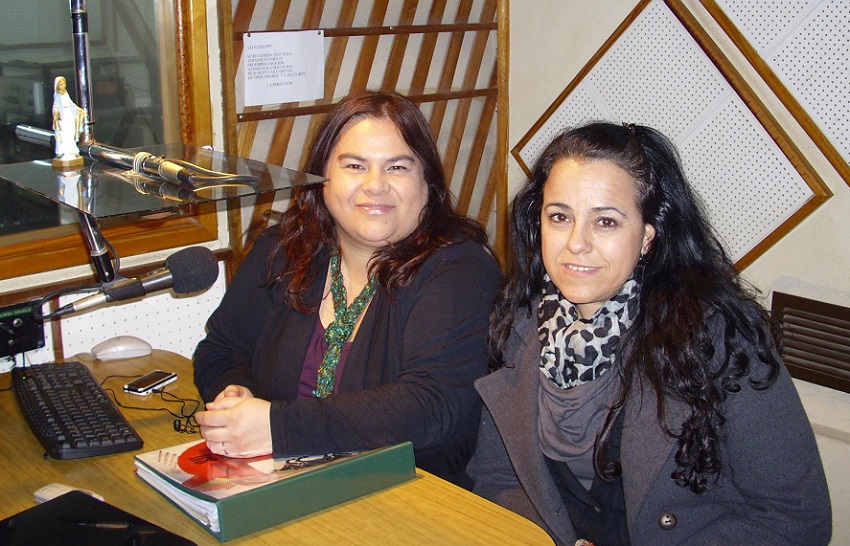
(70, 413)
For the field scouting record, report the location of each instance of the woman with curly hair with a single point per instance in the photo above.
(638, 396)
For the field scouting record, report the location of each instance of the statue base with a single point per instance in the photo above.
(74, 164)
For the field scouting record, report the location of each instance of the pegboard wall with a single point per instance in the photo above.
(802, 51)
(654, 71)
(167, 322)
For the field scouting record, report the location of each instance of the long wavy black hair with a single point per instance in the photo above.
(307, 226)
(689, 286)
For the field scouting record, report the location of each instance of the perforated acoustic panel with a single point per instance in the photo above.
(654, 72)
(802, 51)
(167, 322)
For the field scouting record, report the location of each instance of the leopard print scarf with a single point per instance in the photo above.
(576, 350)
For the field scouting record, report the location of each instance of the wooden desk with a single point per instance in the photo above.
(427, 510)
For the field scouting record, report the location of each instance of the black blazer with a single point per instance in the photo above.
(408, 375)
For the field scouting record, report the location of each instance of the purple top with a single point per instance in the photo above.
(315, 352)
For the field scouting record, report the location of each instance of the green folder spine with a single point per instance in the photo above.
(321, 488)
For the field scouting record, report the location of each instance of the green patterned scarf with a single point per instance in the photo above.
(343, 324)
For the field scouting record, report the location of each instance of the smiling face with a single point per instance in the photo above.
(591, 230)
(376, 187)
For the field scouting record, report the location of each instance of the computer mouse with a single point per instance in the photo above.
(120, 347)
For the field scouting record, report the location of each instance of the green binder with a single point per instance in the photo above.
(268, 504)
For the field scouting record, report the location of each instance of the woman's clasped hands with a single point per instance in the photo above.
(236, 424)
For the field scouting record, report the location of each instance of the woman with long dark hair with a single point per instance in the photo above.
(360, 320)
(639, 397)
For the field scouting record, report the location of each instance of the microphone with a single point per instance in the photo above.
(189, 270)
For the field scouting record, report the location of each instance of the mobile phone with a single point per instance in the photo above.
(150, 382)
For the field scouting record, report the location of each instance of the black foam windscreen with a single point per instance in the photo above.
(192, 269)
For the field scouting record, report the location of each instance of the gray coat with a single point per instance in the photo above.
(772, 489)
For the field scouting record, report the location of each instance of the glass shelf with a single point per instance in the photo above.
(101, 190)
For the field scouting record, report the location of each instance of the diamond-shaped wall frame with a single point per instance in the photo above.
(800, 49)
(660, 69)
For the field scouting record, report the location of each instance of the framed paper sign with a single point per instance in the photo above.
(283, 66)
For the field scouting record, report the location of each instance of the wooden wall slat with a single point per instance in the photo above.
(476, 153)
(366, 59)
(242, 23)
(263, 203)
(247, 132)
(280, 141)
(338, 46)
(333, 66)
(490, 190)
(278, 15)
(392, 30)
(449, 65)
(313, 14)
(482, 137)
(399, 47)
(283, 127)
(461, 117)
(323, 106)
(426, 52)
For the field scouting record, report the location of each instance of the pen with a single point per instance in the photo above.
(106, 524)
(136, 528)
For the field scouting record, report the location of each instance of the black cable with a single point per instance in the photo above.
(116, 259)
(58, 293)
(116, 265)
(191, 424)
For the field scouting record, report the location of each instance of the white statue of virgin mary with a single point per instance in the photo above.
(68, 119)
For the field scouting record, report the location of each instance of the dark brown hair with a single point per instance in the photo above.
(307, 227)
